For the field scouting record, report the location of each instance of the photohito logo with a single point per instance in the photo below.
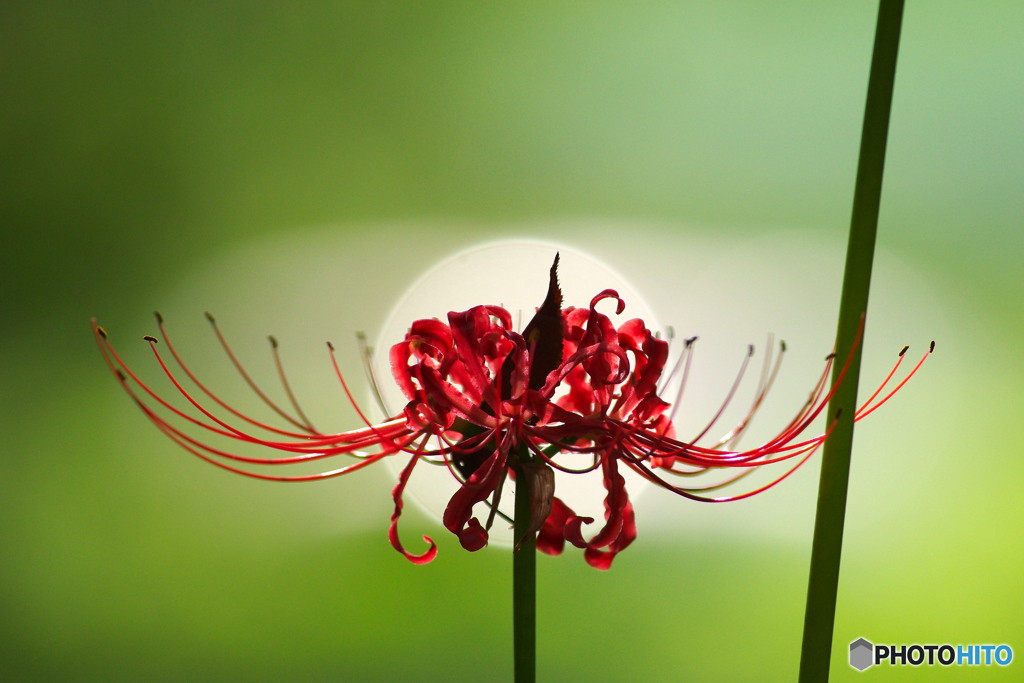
(863, 654)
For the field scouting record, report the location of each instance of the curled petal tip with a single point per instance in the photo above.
(426, 556)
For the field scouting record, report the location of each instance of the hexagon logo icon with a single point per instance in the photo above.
(862, 654)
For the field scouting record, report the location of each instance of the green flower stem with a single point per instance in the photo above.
(524, 588)
(835, 466)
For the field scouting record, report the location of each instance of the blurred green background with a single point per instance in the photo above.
(266, 160)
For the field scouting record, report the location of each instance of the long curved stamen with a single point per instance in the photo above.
(287, 389)
(268, 477)
(344, 385)
(864, 413)
(169, 429)
(495, 500)
(648, 474)
(239, 434)
(728, 398)
(688, 355)
(305, 446)
(248, 380)
(208, 392)
(550, 461)
(764, 385)
(885, 381)
(366, 355)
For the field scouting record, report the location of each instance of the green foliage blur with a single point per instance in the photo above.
(142, 143)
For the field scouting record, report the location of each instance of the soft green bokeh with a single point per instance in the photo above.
(151, 153)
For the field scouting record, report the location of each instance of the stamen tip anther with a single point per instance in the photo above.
(210, 318)
(159, 318)
(689, 342)
(330, 346)
(904, 350)
(360, 335)
(150, 338)
(103, 332)
(931, 347)
(839, 411)
(830, 356)
(782, 345)
(120, 375)
(750, 350)
(273, 340)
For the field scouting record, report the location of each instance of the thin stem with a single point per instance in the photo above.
(524, 588)
(823, 583)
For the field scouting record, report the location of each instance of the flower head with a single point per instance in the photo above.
(493, 404)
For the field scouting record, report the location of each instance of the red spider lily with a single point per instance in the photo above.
(490, 403)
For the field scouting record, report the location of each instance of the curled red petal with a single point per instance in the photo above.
(424, 558)
(609, 294)
(602, 559)
(396, 495)
(469, 328)
(551, 537)
(473, 536)
(574, 530)
(400, 354)
(458, 516)
(447, 395)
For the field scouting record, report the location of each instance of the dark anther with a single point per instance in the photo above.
(103, 332)
(120, 376)
(159, 318)
(330, 346)
(150, 338)
(782, 346)
(931, 348)
(904, 350)
(830, 356)
(209, 317)
(689, 342)
(273, 340)
(750, 350)
(839, 411)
